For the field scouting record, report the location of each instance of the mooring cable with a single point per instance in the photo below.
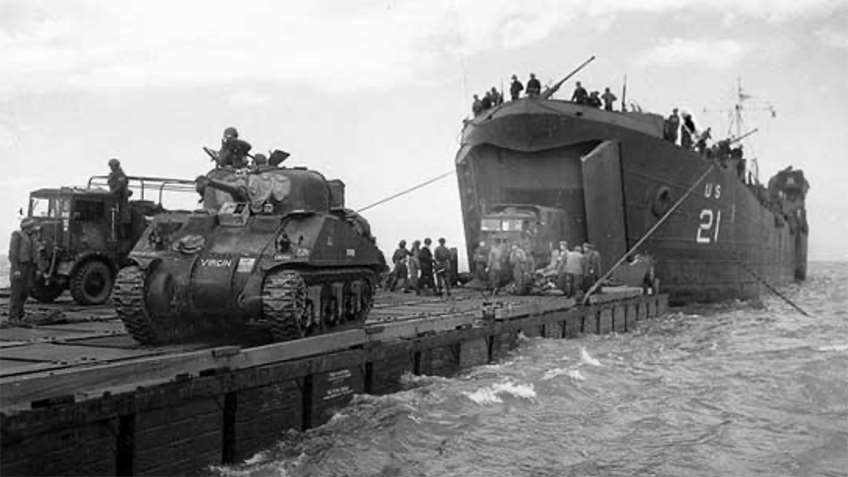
(403, 192)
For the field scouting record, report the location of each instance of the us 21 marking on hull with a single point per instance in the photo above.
(712, 190)
(709, 226)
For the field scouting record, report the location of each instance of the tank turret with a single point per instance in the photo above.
(271, 246)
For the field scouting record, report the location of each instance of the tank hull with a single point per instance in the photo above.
(615, 176)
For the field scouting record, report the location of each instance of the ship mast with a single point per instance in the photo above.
(736, 125)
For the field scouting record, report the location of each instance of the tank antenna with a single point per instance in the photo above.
(404, 192)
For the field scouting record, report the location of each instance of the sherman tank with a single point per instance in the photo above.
(272, 246)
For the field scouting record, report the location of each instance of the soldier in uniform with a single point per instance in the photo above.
(425, 263)
(534, 86)
(494, 265)
(443, 261)
(22, 257)
(119, 185)
(580, 95)
(515, 88)
(477, 106)
(608, 98)
(672, 125)
(233, 150)
(400, 271)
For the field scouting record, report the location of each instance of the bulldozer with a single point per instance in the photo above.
(85, 237)
(273, 247)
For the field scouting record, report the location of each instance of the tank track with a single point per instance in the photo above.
(128, 296)
(284, 297)
(283, 303)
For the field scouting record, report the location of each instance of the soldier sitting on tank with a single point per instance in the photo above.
(260, 161)
(233, 150)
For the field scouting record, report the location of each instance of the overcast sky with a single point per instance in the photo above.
(374, 92)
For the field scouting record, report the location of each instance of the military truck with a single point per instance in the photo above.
(274, 249)
(535, 227)
(85, 237)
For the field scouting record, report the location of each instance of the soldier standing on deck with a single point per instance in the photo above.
(495, 263)
(425, 262)
(580, 95)
(22, 257)
(442, 258)
(608, 98)
(687, 132)
(534, 86)
(515, 88)
(477, 106)
(399, 261)
(672, 124)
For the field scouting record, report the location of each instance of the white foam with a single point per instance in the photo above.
(586, 358)
(552, 373)
(836, 347)
(492, 394)
(575, 375)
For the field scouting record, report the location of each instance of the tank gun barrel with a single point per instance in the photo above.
(553, 89)
(239, 192)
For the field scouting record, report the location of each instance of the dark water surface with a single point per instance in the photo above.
(729, 389)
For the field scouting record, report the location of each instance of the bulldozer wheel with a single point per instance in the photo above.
(284, 304)
(91, 283)
(46, 293)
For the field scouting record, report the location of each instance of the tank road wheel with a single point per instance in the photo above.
(366, 300)
(46, 292)
(129, 303)
(284, 304)
(91, 283)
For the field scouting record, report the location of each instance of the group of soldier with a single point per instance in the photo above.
(682, 125)
(235, 153)
(571, 270)
(420, 270)
(594, 99)
(493, 97)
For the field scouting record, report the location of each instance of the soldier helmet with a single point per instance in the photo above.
(427, 241)
(402, 243)
(27, 222)
(442, 241)
(230, 132)
(114, 162)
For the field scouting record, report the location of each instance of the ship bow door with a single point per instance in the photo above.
(604, 201)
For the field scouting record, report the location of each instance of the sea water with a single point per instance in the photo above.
(735, 389)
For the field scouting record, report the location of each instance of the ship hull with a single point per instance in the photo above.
(616, 177)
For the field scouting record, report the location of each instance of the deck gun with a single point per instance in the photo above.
(549, 91)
